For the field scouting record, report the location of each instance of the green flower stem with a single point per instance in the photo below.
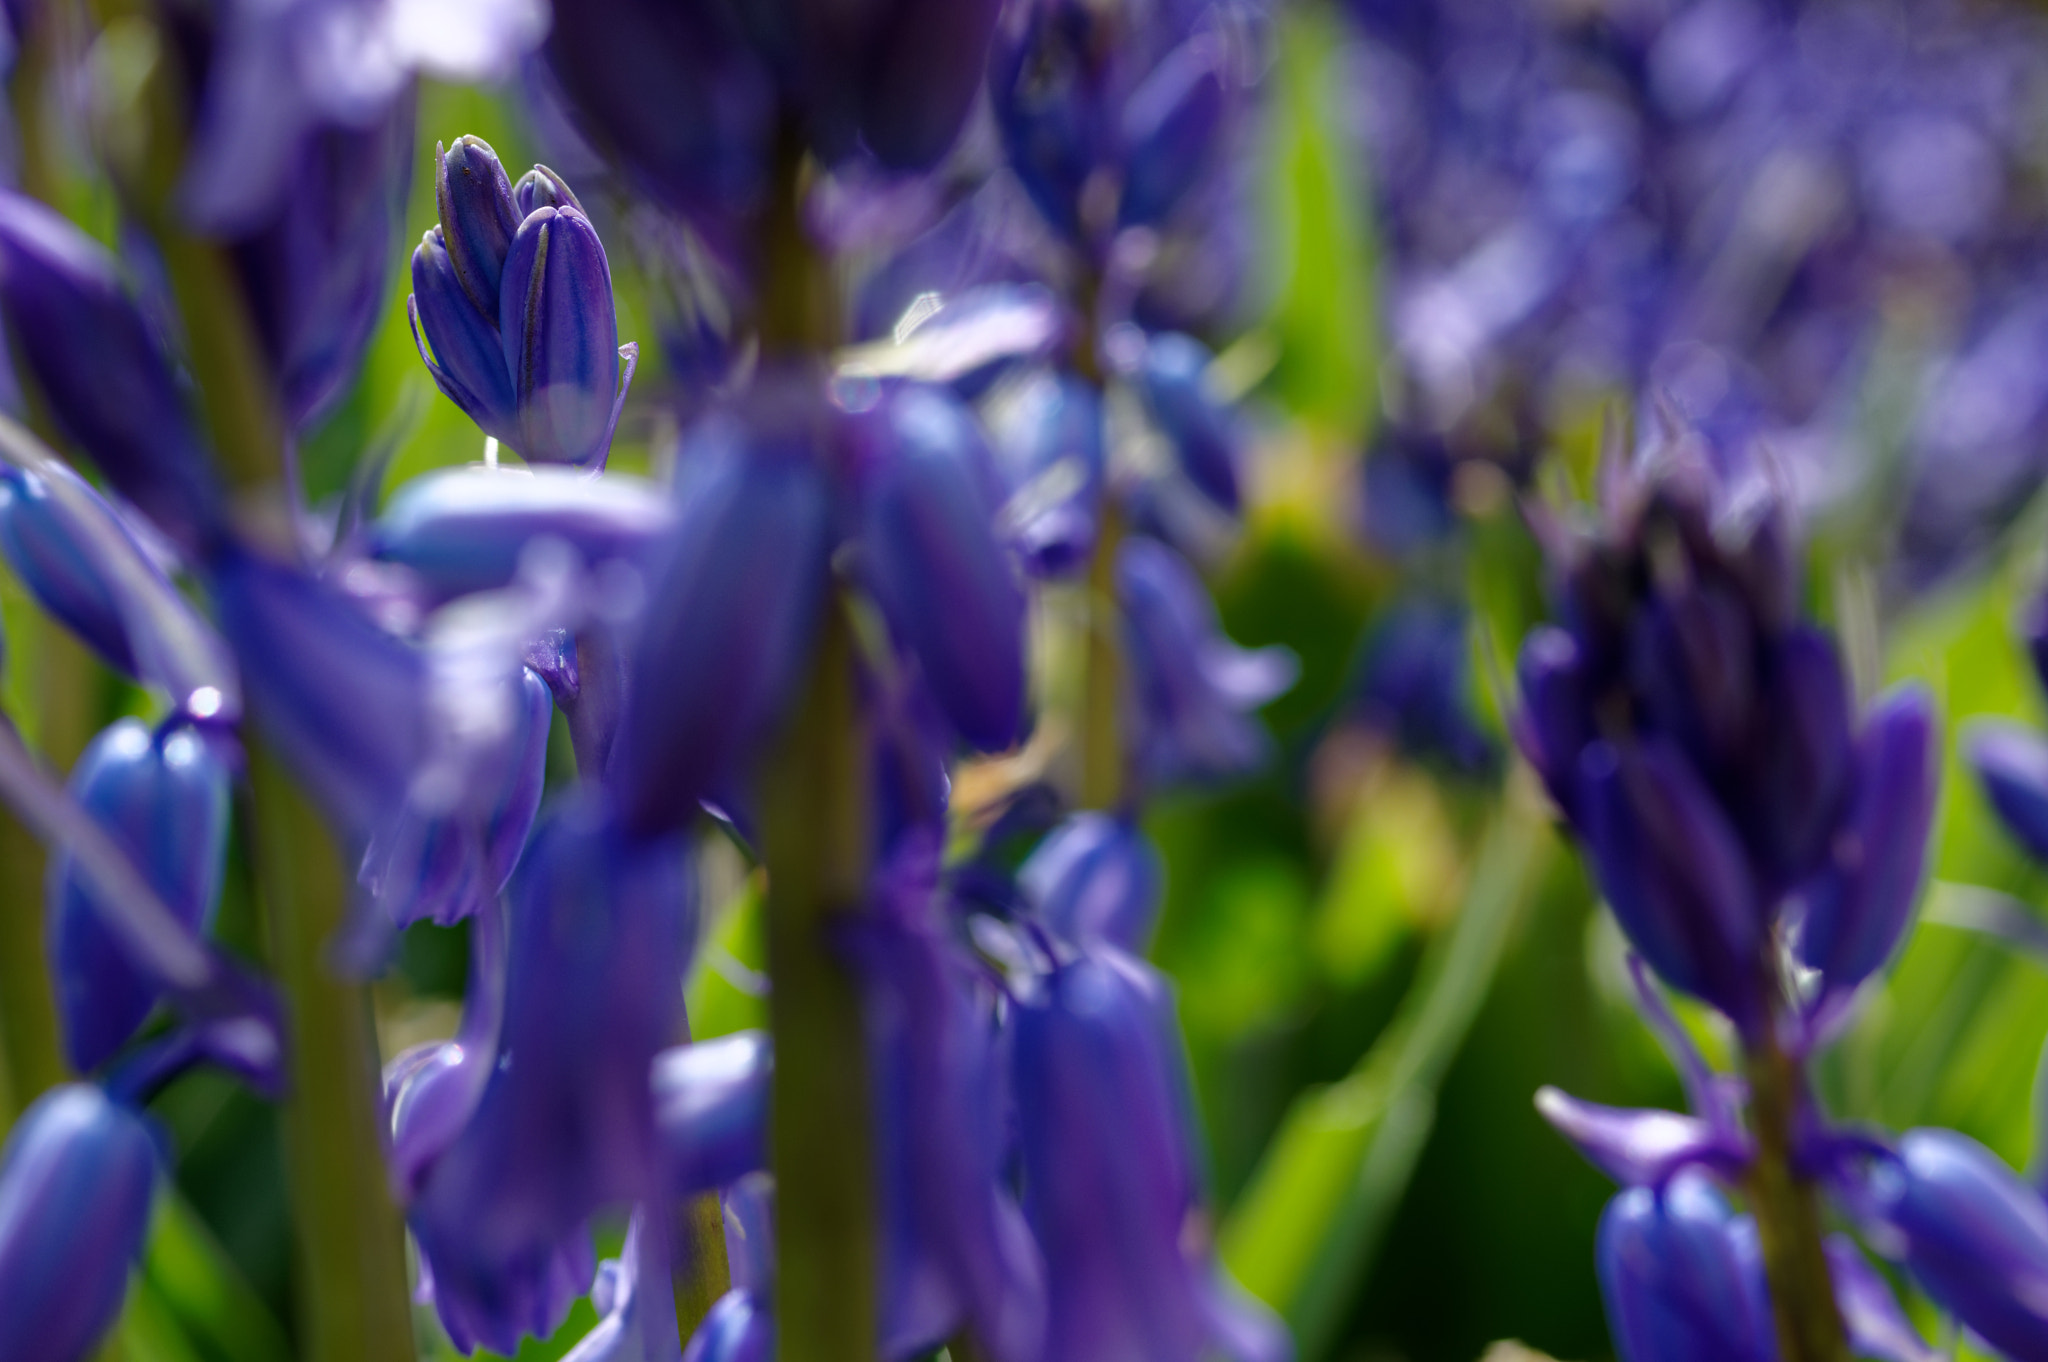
(1102, 753)
(1787, 1209)
(815, 836)
(28, 1008)
(698, 1271)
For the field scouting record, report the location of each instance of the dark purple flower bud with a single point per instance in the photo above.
(344, 701)
(1683, 1277)
(1641, 1148)
(468, 357)
(1414, 685)
(1971, 1232)
(955, 1247)
(1201, 430)
(76, 1181)
(1554, 723)
(542, 188)
(1052, 102)
(740, 1328)
(732, 611)
(164, 799)
(478, 218)
(1799, 774)
(107, 383)
(56, 562)
(1111, 1185)
(1096, 878)
(316, 277)
(600, 932)
(942, 578)
(711, 1102)
(1674, 873)
(1048, 442)
(1858, 907)
(1171, 129)
(464, 529)
(561, 337)
(923, 69)
(1192, 691)
(2011, 761)
(443, 867)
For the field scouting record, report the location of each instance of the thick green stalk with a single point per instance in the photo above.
(349, 1240)
(698, 1271)
(1787, 1210)
(1102, 753)
(815, 835)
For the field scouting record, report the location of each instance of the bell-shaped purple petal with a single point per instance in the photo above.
(1096, 878)
(1191, 690)
(1200, 429)
(1110, 1182)
(1171, 129)
(938, 570)
(561, 336)
(955, 1246)
(1974, 1236)
(731, 612)
(76, 1182)
(344, 701)
(1682, 1277)
(1674, 873)
(1878, 1327)
(1640, 1148)
(922, 74)
(600, 926)
(2011, 762)
(711, 1103)
(467, 359)
(1858, 907)
(107, 382)
(478, 218)
(740, 1328)
(1048, 442)
(164, 799)
(463, 529)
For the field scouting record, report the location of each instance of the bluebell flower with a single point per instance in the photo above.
(1642, 1148)
(711, 1105)
(1683, 1278)
(55, 558)
(1096, 878)
(2011, 761)
(77, 1179)
(81, 337)
(1111, 1186)
(1192, 692)
(164, 798)
(1048, 440)
(1202, 431)
(518, 311)
(1414, 685)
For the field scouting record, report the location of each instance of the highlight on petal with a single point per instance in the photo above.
(1639, 1148)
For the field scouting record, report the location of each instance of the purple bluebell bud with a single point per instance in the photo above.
(164, 798)
(463, 529)
(1802, 757)
(1111, 1186)
(1672, 869)
(1202, 431)
(1192, 691)
(1641, 1148)
(56, 562)
(1096, 878)
(541, 187)
(344, 701)
(1683, 1277)
(1048, 440)
(955, 1247)
(711, 1103)
(928, 518)
(1171, 128)
(76, 1182)
(922, 72)
(442, 867)
(600, 933)
(536, 289)
(1553, 725)
(82, 337)
(2011, 761)
(1974, 1236)
(316, 276)
(1858, 907)
(732, 610)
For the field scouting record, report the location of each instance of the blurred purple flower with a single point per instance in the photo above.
(1096, 878)
(711, 1105)
(2011, 761)
(1048, 439)
(1683, 1277)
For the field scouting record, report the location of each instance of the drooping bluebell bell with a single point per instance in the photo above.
(164, 798)
(929, 503)
(2011, 761)
(77, 1179)
(601, 926)
(462, 530)
(711, 1105)
(1111, 1186)
(1682, 1277)
(1192, 691)
(631, 1294)
(101, 370)
(518, 311)
(1096, 878)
